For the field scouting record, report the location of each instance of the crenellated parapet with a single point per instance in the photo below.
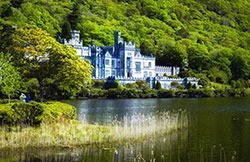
(161, 70)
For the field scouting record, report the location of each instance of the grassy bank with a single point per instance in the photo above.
(71, 133)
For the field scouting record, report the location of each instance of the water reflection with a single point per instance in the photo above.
(219, 130)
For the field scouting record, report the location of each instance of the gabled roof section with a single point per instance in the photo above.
(107, 54)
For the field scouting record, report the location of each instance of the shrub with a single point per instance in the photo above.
(111, 83)
(55, 110)
(149, 93)
(175, 84)
(189, 85)
(181, 93)
(115, 93)
(201, 93)
(163, 93)
(34, 113)
(96, 93)
(158, 85)
(5, 101)
(131, 93)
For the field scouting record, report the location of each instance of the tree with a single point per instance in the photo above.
(221, 58)
(198, 57)
(176, 55)
(111, 83)
(142, 84)
(75, 15)
(240, 64)
(39, 56)
(10, 79)
(189, 85)
(175, 84)
(66, 29)
(158, 85)
(203, 81)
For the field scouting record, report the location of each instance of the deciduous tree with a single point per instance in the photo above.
(10, 79)
(39, 56)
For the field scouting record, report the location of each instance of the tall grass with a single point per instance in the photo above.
(70, 133)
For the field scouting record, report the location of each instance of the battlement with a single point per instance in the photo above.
(129, 44)
(75, 32)
(163, 68)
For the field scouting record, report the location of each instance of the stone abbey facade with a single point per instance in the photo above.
(122, 61)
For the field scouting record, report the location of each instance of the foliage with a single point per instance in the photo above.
(39, 56)
(164, 93)
(189, 85)
(10, 79)
(34, 113)
(203, 81)
(111, 83)
(158, 85)
(175, 84)
(208, 37)
(142, 84)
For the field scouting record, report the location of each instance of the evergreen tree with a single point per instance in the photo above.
(158, 85)
(66, 29)
(75, 15)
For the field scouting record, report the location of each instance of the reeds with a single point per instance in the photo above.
(69, 133)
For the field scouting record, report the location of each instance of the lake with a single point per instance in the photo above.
(219, 130)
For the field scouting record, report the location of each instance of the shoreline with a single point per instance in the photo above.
(127, 93)
(66, 133)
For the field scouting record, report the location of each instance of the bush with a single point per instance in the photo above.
(96, 93)
(111, 83)
(201, 93)
(158, 85)
(132, 93)
(115, 93)
(55, 110)
(163, 93)
(5, 101)
(181, 93)
(34, 113)
(149, 93)
(175, 84)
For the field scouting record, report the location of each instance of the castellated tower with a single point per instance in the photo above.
(118, 39)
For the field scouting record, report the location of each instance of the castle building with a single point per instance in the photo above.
(122, 61)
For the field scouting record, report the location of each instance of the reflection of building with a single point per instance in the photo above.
(122, 60)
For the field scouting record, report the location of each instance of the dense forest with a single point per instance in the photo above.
(208, 39)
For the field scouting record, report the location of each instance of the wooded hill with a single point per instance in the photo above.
(206, 38)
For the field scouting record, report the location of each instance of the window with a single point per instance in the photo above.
(113, 62)
(138, 66)
(145, 73)
(118, 64)
(113, 72)
(150, 74)
(107, 62)
(107, 73)
(128, 62)
(149, 64)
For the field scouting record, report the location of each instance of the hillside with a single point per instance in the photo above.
(208, 39)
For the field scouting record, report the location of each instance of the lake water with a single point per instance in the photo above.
(219, 131)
